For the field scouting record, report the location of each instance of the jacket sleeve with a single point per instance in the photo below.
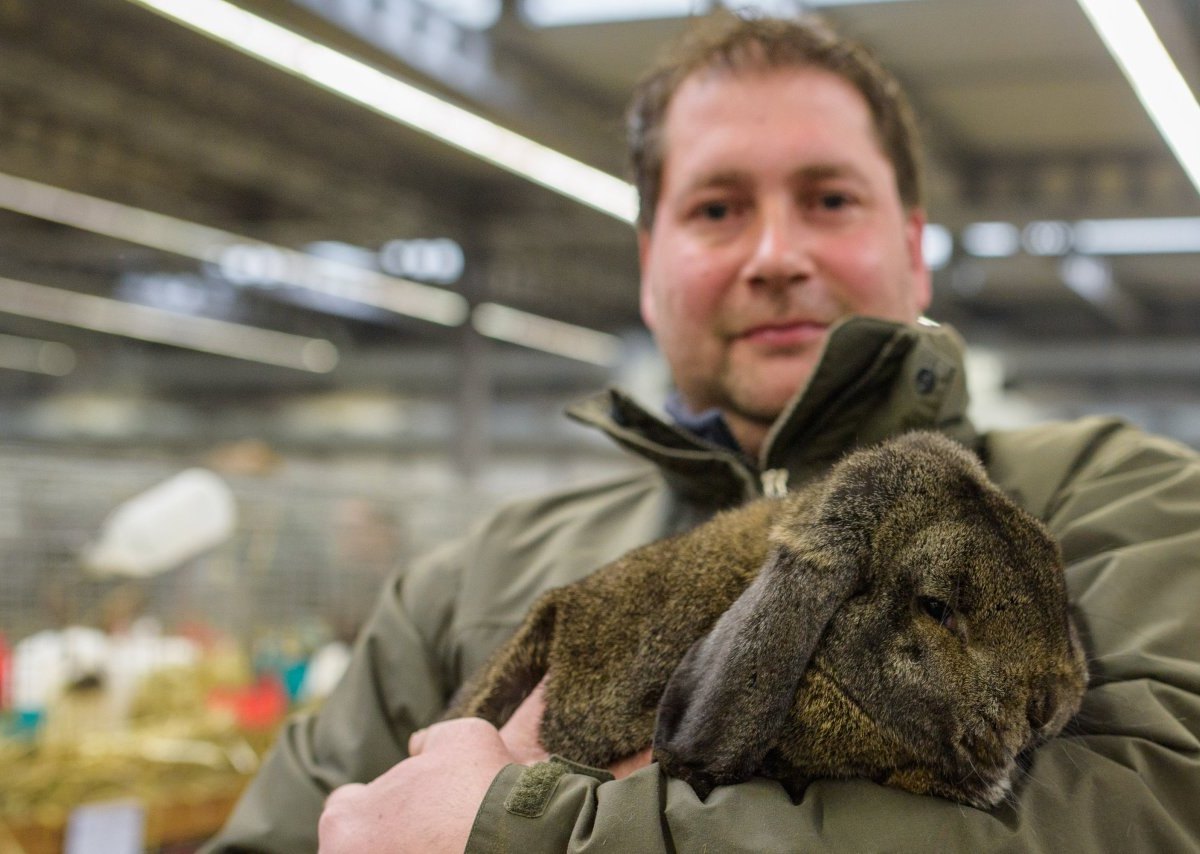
(393, 686)
(1124, 777)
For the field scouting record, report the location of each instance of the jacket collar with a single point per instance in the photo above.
(875, 379)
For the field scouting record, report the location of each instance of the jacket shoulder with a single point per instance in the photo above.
(536, 515)
(1037, 464)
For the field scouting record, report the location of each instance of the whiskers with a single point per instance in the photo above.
(1025, 776)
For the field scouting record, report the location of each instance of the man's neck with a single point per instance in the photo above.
(720, 426)
(750, 434)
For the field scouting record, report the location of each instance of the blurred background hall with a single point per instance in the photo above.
(292, 290)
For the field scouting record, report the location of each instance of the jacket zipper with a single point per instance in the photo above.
(774, 483)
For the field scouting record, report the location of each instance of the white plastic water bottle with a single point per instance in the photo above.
(164, 526)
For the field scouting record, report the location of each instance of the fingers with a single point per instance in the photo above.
(341, 793)
(461, 732)
(338, 825)
(624, 767)
(424, 803)
(521, 734)
(518, 737)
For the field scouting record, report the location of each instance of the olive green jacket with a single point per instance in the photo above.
(1125, 507)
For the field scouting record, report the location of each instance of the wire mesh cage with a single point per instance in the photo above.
(310, 541)
(165, 687)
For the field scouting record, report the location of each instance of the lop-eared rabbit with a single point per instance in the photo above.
(900, 620)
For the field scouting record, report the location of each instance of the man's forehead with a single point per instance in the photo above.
(713, 105)
(710, 95)
(714, 75)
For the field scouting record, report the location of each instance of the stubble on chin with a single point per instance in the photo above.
(753, 390)
(742, 394)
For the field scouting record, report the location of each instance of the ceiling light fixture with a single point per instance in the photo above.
(1047, 237)
(100, 314)
(324, 275)
(1130, 38)
(937, 245)
(568, 13)
(212, 245)
(1137, 236)
(991, 239)
(552, 336)
(36, 356)
(392, 97)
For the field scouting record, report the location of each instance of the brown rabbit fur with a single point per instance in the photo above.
(900, 620)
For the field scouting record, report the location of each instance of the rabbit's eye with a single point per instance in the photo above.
(938, 610)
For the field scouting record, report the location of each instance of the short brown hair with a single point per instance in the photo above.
(731, 43)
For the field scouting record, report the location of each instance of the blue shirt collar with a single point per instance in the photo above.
(709, 425)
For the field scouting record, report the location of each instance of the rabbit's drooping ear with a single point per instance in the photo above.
(726, 702)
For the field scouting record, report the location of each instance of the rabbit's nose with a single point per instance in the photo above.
(1040, 711)
(1048, 711)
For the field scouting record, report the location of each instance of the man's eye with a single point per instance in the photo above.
(714, 211)
(835, 201)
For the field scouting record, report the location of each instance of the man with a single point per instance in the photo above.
(782, 277)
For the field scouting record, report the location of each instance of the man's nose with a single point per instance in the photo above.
(780, 253)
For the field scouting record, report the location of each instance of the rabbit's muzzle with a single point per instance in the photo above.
(974, 762)
(987, 754)
(1056, 699)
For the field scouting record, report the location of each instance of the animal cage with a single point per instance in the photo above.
(162, 690)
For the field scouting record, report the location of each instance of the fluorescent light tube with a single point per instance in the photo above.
(1137, 236)
(191, 240)
(35, 356)
(542, 333)
(1047, 237)
(100, 314)
(1130, 38)
(566, 13)
(991, 239)
(323, 275)
(403, 102)
(937, 245)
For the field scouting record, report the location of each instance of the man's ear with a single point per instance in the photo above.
(914, 236)
(646, 302)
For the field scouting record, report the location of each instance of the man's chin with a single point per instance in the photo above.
(763, 397)
(758, 408)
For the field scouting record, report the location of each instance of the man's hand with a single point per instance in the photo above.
(520, 734)
(624, 767)
(425, 804)
(428, 802)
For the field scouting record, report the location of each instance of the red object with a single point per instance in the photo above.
(260, 706)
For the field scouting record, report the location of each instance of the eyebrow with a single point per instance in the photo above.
(821, 171)
(724, 178)
(814, 172)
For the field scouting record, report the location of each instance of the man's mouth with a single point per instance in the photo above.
(786, 334)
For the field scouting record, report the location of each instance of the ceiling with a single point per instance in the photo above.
(1027, 118)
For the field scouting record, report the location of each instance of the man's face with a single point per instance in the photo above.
(778, 214)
